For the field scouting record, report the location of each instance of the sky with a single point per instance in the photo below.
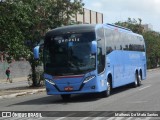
(120, 10)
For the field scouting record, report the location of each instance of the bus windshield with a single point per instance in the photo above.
(69, 54)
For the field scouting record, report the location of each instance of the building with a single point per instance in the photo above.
(88, 17)
(147, 27)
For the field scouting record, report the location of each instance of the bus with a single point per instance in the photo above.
(91, 58)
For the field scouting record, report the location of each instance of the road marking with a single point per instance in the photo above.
(111, 118)
(136, 118)
(98, 118)
(90, 115)
(84, 118)
(145, 87)
(149, 118)
(138, 101)
(129, 118)
(65, 116)
(60, 118)
(115, 118)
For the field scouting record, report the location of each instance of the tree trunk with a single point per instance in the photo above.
(33, 68)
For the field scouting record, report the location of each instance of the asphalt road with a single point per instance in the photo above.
(127, 98)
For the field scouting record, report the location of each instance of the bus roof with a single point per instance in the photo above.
(73, 29)
(89, 28)
(117, 28)
(120, 29)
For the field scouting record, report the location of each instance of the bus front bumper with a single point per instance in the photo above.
(77, 88)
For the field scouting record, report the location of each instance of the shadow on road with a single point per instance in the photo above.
(122, 88)
(56, 99)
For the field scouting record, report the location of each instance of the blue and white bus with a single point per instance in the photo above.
(92, 59)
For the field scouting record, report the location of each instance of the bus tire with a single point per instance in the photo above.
(137, 81)
(66, 97)
(107, 92)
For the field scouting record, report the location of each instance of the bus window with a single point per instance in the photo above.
(100, 51)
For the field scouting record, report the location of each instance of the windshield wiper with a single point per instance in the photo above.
(74, 66)
(67, 73)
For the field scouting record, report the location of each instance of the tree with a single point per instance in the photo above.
(152, 40)
(11, 40)
(132, 24)
(25, 22)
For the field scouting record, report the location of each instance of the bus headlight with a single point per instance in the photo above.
(88, 78)
(50, 81)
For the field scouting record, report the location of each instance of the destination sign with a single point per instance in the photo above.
(67, 40)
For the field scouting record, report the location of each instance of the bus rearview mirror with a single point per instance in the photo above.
(94, 47)
(36, 52)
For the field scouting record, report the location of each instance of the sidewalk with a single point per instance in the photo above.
(16, 91)
(13, 80)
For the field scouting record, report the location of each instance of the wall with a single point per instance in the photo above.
(94, 17)
(88, 17)
(99, 18)
(18, 69)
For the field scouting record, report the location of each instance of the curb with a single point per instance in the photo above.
(22, 93)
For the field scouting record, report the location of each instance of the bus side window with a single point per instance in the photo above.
(101, 60)
(109, 50)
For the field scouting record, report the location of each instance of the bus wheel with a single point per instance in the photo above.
(66, 97)
(108, 91)
(137, 81)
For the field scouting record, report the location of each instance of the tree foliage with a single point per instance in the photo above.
(133, 24)
(11, 40)
(152, 40)
(23, 23)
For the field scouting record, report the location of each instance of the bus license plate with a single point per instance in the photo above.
(68, 88)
